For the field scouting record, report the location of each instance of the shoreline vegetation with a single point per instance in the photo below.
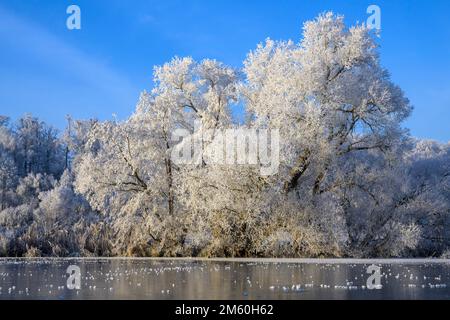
(405, 261)
(351, 181)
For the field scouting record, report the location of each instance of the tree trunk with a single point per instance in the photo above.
(297, 172)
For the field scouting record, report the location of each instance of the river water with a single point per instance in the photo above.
(223, 279)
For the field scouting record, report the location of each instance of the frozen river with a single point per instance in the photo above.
(223, 279)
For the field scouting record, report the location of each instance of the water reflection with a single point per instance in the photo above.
(189, 279)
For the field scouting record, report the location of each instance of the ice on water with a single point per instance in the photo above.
(222, 279)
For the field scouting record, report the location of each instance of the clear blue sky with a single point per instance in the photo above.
(49, 71)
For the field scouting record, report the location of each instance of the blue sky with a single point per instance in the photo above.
(50, 71)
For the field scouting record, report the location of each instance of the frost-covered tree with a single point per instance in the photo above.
(119, 177)
(8, 178)
(328, 95)
(38, 213)
(129, 168)
(38, 148)
(8, 169)
(64, 224)
(351, 182)
(332, 102)
(427, 194)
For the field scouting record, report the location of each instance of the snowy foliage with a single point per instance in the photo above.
(351, 181)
